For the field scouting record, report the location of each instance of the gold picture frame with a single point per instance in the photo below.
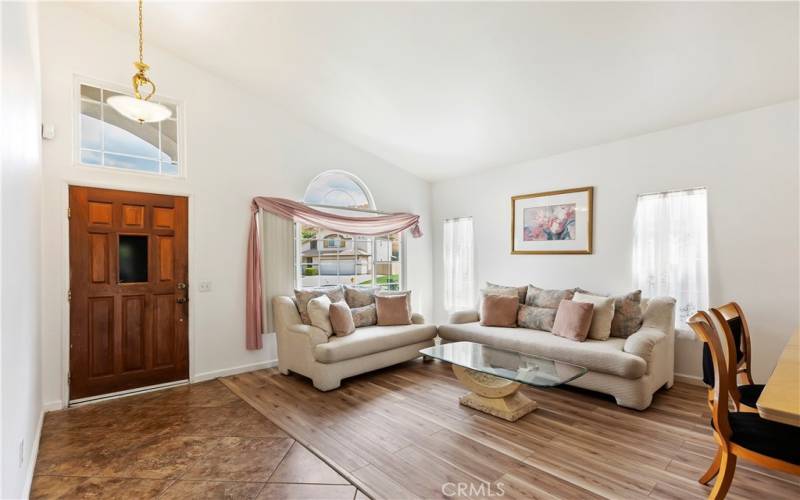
(578, 224)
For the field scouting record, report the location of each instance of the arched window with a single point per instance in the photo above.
(337, 188)
(325, 258)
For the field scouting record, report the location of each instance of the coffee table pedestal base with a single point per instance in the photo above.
(493, 395)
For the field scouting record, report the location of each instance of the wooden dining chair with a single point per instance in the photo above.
(734, 327)
(731, 316)
(740, 434)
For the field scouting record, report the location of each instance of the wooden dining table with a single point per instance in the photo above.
(780, 400)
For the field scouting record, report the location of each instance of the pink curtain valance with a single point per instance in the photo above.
(378, 225)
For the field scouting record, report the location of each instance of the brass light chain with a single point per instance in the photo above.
(141, 36)
(140, 78)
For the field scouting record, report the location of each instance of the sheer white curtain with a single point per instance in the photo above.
(670, 249)
(277, 262)
(459, 275)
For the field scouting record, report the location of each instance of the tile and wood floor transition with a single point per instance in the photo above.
(198, 441)
(397, 433)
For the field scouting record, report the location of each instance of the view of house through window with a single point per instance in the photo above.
(329, 258)
(106, 138)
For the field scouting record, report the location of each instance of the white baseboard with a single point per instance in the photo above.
(689, 379)
(26, 493)
(225, 372)
(53, 406)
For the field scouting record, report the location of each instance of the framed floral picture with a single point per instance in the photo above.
(555, 222)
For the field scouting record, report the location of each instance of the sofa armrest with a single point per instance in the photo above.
(315, 335)
(417, 319)
(284, 312)
(643, 342)
(466, 316)
(660, 314)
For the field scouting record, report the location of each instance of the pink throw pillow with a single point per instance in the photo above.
(573, 320)
(500, 310)
(341, 319)
(393, 310)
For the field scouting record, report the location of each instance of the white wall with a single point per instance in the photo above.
(748, 162)
(238, 146)
(21, 185)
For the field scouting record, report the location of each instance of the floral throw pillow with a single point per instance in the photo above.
(539, 297)
(359, 296)
(536, 318)
(303, 296)
(365, 316)
(521, 291)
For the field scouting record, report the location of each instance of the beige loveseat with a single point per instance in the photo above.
(629, 369)
(307, 350)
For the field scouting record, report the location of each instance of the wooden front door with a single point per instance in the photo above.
(128, 255)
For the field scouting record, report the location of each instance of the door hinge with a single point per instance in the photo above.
(69, 212)
(69, 295)
(69, 378)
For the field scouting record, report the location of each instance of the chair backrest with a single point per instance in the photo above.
(702, 326)
(730, 353)
(734, 325)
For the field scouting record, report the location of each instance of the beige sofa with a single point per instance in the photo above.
(631, 369)
(307, 350)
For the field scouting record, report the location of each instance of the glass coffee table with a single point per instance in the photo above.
(495, 375)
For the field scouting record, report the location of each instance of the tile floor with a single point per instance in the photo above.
(198, 441)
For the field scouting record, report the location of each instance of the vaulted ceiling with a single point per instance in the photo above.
(442, 89)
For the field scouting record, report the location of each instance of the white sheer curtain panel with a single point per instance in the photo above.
(277, 261)
(670, 249)
(458, 246)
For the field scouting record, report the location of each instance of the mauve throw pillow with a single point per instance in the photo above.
(500, 310)
(393, 310)
(341, 319)
(573, 320)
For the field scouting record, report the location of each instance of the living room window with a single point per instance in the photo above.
(670, 249)
(105, 138)
(459, 267)
(324, 257)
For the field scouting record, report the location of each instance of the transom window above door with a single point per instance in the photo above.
(105, 138)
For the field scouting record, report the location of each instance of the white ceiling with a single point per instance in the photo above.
(441, 89)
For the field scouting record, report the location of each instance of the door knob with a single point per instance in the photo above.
(182, 300)
(181, 286)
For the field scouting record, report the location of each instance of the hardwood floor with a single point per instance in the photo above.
(400, 433)
(198, 441)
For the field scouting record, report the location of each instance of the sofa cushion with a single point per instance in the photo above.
(603, 356)
(359, 296)
(319, 313)
(573, 320)
(393, 310)
(341, 319)
(364, 316)
(304, 295)
(372, 339)
(539, 297)
(628, 314)
(521, 291)
(603, 314)
(536, 318)
(500, 310)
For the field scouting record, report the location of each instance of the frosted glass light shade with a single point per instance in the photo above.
(138, 109)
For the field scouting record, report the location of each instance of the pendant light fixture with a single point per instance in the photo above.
(140, 108)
